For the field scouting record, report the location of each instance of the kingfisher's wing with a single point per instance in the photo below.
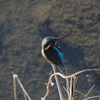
(54, 56)
(60, 53)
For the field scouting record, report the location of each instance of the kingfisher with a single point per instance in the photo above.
(51, 52)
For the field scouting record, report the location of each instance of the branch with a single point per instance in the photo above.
(65, 77)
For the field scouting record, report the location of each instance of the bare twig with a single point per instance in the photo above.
(15, 77)
(14, 87)
(92, 97)
(72, 88)
(88, 92)
(58, 84)
(65, 77)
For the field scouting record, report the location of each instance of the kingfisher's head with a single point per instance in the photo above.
(50, 41)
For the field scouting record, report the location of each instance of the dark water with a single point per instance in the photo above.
(20, 52)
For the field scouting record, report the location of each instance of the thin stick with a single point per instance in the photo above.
(92, 97)
(15, 76)
(72, 88)
(79, 72)
(25, 92)
(14, 87)
(58, 84)
(88, 92)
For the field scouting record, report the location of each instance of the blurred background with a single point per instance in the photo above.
(23, 25)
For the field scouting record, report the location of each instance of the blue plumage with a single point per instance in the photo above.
(61, 55)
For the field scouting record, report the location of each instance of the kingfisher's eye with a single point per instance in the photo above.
(46, 45)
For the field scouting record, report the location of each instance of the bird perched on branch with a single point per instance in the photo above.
(51, 52)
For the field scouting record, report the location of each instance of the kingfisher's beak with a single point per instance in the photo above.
(57, 39)
(60, 38)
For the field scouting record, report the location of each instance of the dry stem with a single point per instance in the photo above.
(65, 77)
